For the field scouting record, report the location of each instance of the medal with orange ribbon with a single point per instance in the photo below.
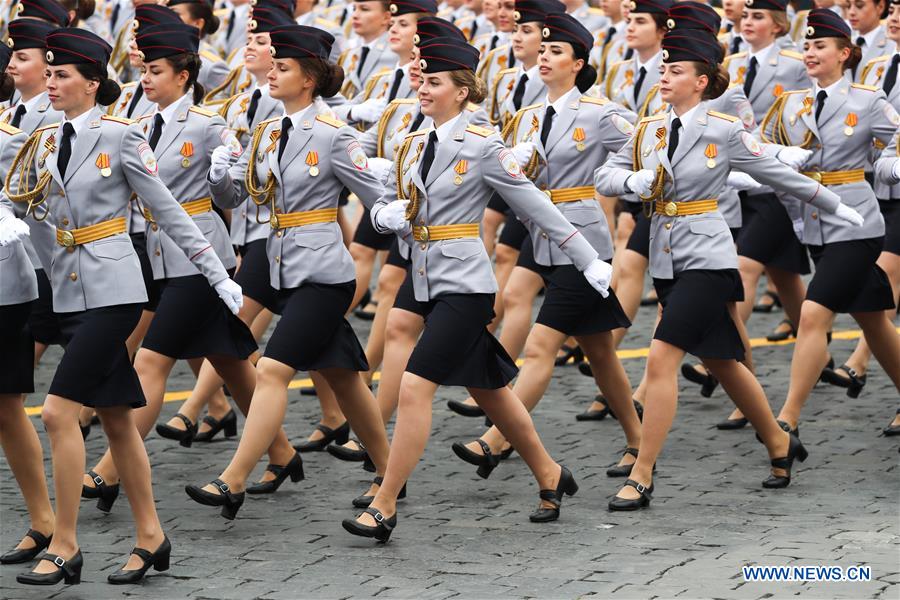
(102, 163)
(579, 137)
(312, 159)
(661, 136)
(711, 153)
(187, 151)
(850, 123)
(461, 168)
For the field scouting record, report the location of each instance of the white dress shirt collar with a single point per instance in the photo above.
(443, 132)
(168, 113)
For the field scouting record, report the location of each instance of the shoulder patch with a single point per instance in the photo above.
(210, 56)
(791, 54)
(715, 113)
(330, 121)
(482, 131)
(593, 100)
(869, 88)
(120, 120)
(202, 111)
(9, 129)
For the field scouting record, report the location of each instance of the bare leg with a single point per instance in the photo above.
(364, 261)
(331, 412)
(505, 260)
(751, 270)
(630, 267)
(490, 225)
(22, 448)
(390, 278)
(137, 336)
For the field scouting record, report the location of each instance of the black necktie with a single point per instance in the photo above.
(735, 44)
(820, 103)
(494, 39)
(673, 138)
(286, 125)
(65, 148)
(398, 77)
(629, 53)
(231, 16)
(428, 157)
(254, 104)
(639, 84)
(363, 55)
(512, 57)
(417, 122)
(751, 75)
(474, 30)
(20, 110)
(860, 41)
(157, 130)
(135, 99)
(889, 80)
(546, 125)
(729, 27)
(114, 18)
(609, 36)
(520, 91)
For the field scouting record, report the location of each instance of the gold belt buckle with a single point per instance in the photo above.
(671, 209)
(816, 176)
(67, 237)
(549, 193)
(273, 221)
(424, 234)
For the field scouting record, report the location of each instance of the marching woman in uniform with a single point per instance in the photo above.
(18, 290)
(98, 288)
(444, 177)
(564, 138)
(189, 321)
(880, 72)
(843, 119)
(692, 256)
(297, 165)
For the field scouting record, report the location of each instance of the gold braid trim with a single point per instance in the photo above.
(383, 123)
(412, 209)
(210, 96)
(22, 163)
(657, 191)
(266, 194)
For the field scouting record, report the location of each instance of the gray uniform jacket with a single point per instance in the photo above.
(621, 79)
(535, 90)
(17, 281)
(213, 69)
(583, 134)
(475, 158)
(383, 139)
(41, 115)
(378, 59)
(884, 166)
(322, 156)
(182, 154)
(244, 225)
(700, 241)
(107, 272)
(782, 71)
(874, 74)
(880, 45)
(839, 146)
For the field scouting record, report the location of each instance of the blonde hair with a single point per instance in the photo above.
(468, 79)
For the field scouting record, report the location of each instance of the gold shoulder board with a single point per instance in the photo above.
(482, 131)
(593, 100)
(791, 54)
(715, 113)
(120, 120)
(330, 121)
(9, 129)
(869, 88)
(202, 111)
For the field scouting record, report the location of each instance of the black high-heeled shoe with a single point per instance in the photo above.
(585, 369)
(85, 430)
(185, 436)
(466, 410)
(889, 431)
(566, 485)
(159, 560)
(348, 454)
(106, 494)
(22, 555)
(784, 427)
(228, 424)
(730, 424)
(329, 435)
(573, 353)
(707, 382)
(229, 502)
(381, 532)
(626, 504)
(780, 336)
(294, 470)
(638, 408)
(854, 382)
(486, 462)
(365, 501)
(759, 307)
(796, 451)
(593, 414)
(66, 570)
(623, 470)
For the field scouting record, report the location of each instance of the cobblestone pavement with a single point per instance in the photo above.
(463, 537)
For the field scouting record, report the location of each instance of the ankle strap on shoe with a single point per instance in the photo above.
(144, 555)
(223, 487)
(632, 451)
(491, 458)
(550, 496)
(39, 538)
(642, 489)
(378, 480)
(379, 518)
(187, 422)
(98, 481)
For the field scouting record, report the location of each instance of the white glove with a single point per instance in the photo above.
(641, 181)
(742, 182)
(794, 156)
(895, 170)
(523, 151)
(231, 294)
(381, 168)
(369, 111)
(797, 224)
(392, 216)
(221, 160)
(599, 273)
(850, 215)
(12, 230)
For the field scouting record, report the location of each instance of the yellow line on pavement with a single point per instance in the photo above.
(849, 334)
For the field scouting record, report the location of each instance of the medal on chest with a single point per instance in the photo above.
(187, 151)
